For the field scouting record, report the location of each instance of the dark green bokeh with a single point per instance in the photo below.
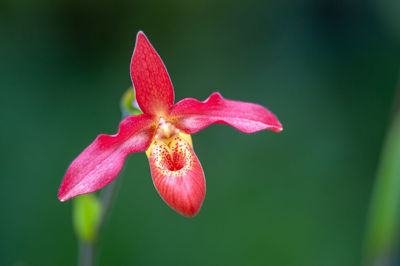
(328, 69)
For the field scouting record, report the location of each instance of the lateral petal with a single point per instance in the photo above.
(191, 115)
(102, 160)
(154, 91)
(178, 175)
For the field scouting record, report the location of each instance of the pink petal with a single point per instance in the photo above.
(178, 176)
(102, 160)
(192, 116)
(154, 91)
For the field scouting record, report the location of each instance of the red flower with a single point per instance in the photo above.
(163, 132)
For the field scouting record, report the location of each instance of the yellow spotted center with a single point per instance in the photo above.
(165, 133)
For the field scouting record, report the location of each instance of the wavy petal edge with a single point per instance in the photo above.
(191, 115)
(102, 160)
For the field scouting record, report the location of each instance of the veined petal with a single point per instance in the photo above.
(154, 91)
(102, 160)
(191, 115)
(178, 175)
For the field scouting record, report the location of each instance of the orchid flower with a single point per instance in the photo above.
(164, 132)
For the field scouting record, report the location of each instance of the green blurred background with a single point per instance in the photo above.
(328, 69)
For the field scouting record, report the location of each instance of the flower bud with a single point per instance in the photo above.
(86, 217)
(129, 104)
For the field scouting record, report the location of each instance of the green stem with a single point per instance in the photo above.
(86, 254)
(107, 197)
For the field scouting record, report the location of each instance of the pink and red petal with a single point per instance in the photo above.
(102, 160)
(153, 87)
(192, 116)
(178, 175)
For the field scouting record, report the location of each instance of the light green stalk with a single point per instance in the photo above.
(382, 238)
